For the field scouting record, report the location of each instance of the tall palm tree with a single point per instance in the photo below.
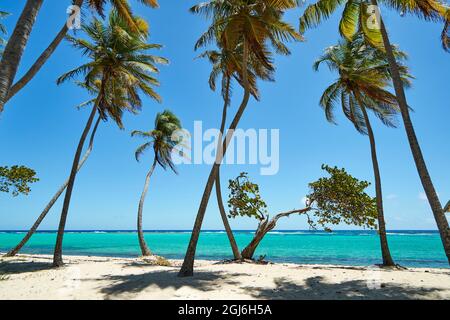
(120, 100)
(16, 46)
(119, 63)
(29, 16)
(160, 139)
(227, 65)
(356, 15)
(252, 27)
(364, 76)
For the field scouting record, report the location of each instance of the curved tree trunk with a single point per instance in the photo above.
(16, 46)
(223, 214)
(421, 166)
(385, 252)
(55, 198)
(187, 269)
(57, 255)
(250, 249)
(264, 227)
(43, 58)
(144, 248)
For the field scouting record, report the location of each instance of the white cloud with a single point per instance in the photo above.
(391, 196)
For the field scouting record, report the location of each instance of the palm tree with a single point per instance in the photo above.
(250, 27)
(7, 75)
(16, 46)
(355, 16)
(364, 76)
(120, 100)
(120, 66)
(160, 139)
(227, 65)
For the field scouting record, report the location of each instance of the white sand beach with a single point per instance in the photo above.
(32, 277)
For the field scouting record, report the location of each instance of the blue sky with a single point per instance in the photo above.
(40, 128)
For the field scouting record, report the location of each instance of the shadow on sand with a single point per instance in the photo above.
(18, 266)
(315, 288)
(203, 281)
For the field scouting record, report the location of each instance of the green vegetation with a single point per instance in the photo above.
(337, 199)
(16, 180)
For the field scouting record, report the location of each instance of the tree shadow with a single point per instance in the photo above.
(315, 288)
(135, 283)
(18, 266)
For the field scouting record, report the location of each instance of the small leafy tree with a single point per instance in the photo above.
(17, 180)
(339, 198)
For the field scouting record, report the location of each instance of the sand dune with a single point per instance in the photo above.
(32, 277)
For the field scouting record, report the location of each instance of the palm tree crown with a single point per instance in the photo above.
(119, 65)
(364, 76)
(257, 23)
(123, 9)
(161, 139)
(356, 15)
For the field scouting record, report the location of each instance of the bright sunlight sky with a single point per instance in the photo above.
(41, 127)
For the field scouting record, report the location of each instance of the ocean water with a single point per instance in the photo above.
(409, 248)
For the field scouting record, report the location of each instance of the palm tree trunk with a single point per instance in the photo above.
(421, 166)
(385, 252)
(144, 248)
(43, 58)
(226, 224)
(15, 48)
(187, 269)
(55, 198)
(57, 255)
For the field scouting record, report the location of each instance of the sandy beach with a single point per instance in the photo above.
(32, 277)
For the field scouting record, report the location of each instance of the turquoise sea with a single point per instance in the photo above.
(409, 248)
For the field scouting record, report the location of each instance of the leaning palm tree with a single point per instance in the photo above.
(22, 32)
(363, 78)
(120, 100)
(119, 63)
(227, 66)
(162, 142)
(252, 27)
(364, 15)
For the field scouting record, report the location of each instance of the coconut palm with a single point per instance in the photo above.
(23, 29)
(364, 76)
(160, 139)
(227, 66)
(93, 89)
(252, 27)
(119, 64)
(15, 47)
(356, 15)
